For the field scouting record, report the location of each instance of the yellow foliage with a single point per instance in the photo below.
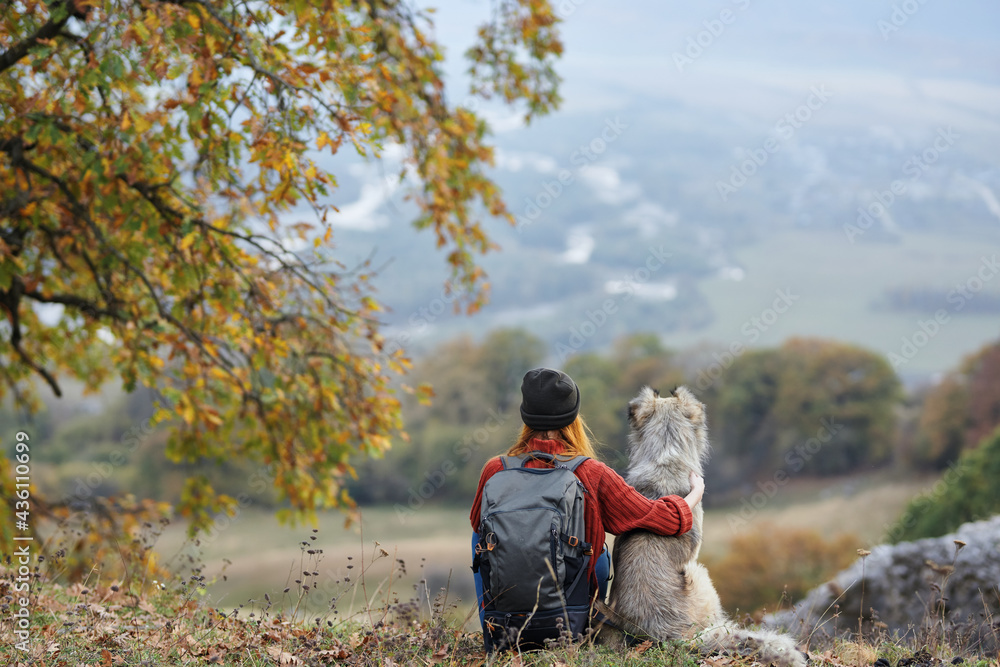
(769, 565)
(153, 240)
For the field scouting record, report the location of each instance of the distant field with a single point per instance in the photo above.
(266, 557)
(435, 543)
(837, 282)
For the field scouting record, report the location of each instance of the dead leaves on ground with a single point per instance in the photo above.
(639, 649)
(720, 661)
(282, 657)
(109, 625)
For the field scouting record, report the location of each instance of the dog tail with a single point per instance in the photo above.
(765, 646)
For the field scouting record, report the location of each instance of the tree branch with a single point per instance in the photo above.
(254, 63)
(48, 30)
(11, 299)
(81, 213)
(19, 398)
(88, 307)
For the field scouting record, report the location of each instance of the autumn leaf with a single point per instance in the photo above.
(829, 658)
(282, 657)
(639, 649)
(339, 653)
(440, 655)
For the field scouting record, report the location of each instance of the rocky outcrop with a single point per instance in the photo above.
(936, 589)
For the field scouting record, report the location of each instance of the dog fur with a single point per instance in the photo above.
(658, 584)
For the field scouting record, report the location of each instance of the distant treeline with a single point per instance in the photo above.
(807, 408)
(930, 299)
(810, 407)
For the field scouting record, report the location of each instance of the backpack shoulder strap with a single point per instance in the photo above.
(509, 462)
(572, 464)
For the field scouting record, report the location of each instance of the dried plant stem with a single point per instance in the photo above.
(864, 553)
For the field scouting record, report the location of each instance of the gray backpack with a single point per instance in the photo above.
(531, 526)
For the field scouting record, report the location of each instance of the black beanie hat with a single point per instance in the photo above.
(550, 399)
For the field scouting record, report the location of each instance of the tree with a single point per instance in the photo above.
(152, 153)
(744, 414)
(601, 404)
(982, 370)
(812, 406)
(505, 356)
(943, 423)
(642, 360)
(853, 388)
(961, 410)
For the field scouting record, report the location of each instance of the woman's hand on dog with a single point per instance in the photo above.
(697, 490)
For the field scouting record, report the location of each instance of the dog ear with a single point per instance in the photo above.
(656, 392)
(694, 412)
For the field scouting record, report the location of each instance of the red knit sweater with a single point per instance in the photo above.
(610, 504)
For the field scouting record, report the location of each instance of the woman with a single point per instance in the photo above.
(550, 410)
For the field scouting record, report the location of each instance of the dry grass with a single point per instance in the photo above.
(255, 555)
(298, 597)
(111, 623)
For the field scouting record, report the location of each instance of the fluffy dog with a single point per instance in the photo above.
(659, 585)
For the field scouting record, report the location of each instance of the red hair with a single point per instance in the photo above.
(575, 437)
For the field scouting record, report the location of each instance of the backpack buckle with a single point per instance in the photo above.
(491, 541)
(573, 541)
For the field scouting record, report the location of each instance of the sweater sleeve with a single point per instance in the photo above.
(624, 509)
(492, 467)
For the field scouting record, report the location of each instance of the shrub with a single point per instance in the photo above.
(967, 492)
(772, 564)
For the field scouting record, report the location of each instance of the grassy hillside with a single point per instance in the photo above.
(144, 622)
(384, 592)
(256, 555)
